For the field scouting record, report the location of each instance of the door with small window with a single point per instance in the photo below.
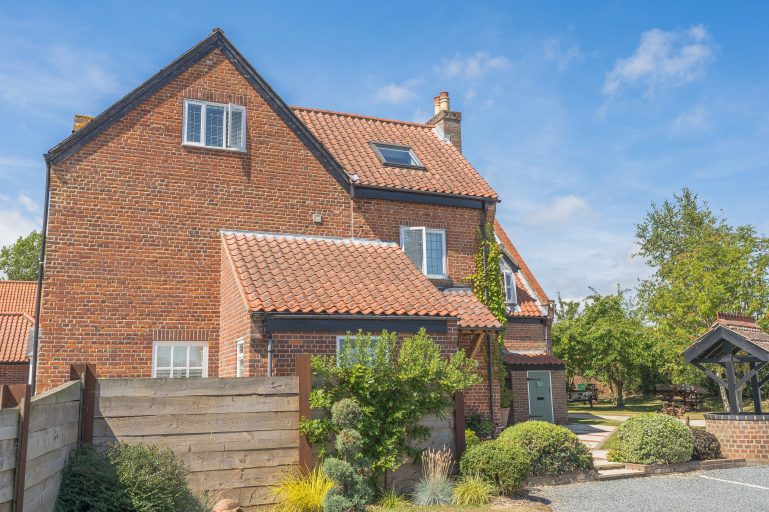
(540, 395)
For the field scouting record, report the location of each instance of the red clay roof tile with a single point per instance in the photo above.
(531, 298)
(17, 297)
(348, 137)
(317, 275)
(472, 313)
(14, 332)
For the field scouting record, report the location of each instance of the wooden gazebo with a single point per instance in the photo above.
(733, 341)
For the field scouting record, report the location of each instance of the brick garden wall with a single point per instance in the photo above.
(14, 373)
(743, 436)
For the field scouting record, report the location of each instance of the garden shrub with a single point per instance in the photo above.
(471, 438)
(435, 487)
(153, 478)
(653, 439)
(391, 500)
(90, 482)
(472, 491)
(302, 492)
(395, 386)
(481, 425)
(706, 445)
(502, 464)
(552, 449)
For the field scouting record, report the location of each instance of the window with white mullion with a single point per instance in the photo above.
(511, 295)
(214, 125)
(239, 359)
(426, 248)
(179, 360)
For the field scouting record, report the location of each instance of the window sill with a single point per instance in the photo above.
(213, 148)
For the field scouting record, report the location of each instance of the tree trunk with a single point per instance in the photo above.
(620, 398)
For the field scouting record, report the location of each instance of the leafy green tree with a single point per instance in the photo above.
(395, 385)
(702, 265)
(19, 261)
(605, 340)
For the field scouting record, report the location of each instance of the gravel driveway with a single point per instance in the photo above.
(725, 490)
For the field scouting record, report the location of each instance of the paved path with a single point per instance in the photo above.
(725, 490)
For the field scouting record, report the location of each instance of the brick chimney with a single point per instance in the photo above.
(446, 120)
(80, 121)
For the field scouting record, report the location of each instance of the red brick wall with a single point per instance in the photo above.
(382, 219)
(14, 373)
(530, 335)
(560, 397)
(477, 397)
(520, 408)
(234, 320)
(746, 437)
(133, 241)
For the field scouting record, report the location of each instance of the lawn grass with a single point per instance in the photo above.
(595, 420)
(610, 442)
(636, 405)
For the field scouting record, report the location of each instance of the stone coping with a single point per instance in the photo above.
(683, 467)
(725, 416)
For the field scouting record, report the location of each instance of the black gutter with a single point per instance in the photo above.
(40, 271)
(414, 196)
(343, 323)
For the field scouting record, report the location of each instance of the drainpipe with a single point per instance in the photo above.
(40, 270)
(489, 353)
(269, 345)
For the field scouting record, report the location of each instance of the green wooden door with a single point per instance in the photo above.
(540, 395)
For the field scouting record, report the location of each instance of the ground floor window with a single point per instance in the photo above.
(239, 358)
(348, 345)
(180, 359)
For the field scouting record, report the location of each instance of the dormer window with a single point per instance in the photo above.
(511, 297)
(214, 125)
(398, 156)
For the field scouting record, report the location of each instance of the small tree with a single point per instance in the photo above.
(19, 261)
(394, 385)
(606, 340)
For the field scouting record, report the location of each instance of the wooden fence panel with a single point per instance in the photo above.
(53, 434)
(9, 432)
(443, 434)
(235, 435)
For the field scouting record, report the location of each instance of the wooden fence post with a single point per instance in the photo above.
(304, 372)
(21, 396)
(459, 424)
(86, 374)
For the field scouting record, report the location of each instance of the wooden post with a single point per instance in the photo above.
(23, 392)
(731, 388)
(459, 424)
(756, 390)
(304, 372)
(86, 374)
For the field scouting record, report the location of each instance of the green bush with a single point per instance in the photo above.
(653, 439)
(502, 464)
(392, 500)
(706, 445)
(481, 425)
(89, 482)
(553, 450)
(472, 491)
(471, 438)
(153, 478)
(429, 492)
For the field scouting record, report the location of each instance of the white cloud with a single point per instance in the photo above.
(394, 93)
(555, 50)
(663, 59)
(692, 120)
(27, 203)
(561, 210)
(472, 67)
(15, 219)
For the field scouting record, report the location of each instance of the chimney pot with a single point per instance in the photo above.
(444, 100)
(80, 121)
(437, 104)
(448, 122)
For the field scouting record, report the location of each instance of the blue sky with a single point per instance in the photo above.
(580, 114)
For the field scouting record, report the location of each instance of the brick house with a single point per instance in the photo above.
(17, 311)
(202, 227)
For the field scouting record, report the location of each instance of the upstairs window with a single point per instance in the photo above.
(426, 248)
(400, 156)
(214, 125)
(511, 296)
(180, 360)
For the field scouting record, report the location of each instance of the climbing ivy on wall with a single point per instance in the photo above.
(488, 286)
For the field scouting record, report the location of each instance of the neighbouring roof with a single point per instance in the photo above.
(317, 275)
(17, 297)
(14, 333)
(349, 136)
(531, 360)
(531, 297)
(472, 313)
(745, 326)
(711, 344)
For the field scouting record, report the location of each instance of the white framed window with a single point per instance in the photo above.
(239, 361)
(214, 125)
(511, 296)
(392, 154)
(426, 248)
(179, 359)
(341, 342)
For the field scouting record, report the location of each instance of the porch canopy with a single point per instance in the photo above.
(733, 341)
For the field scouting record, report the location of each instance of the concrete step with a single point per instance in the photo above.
(618, 474)
(602, 464)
